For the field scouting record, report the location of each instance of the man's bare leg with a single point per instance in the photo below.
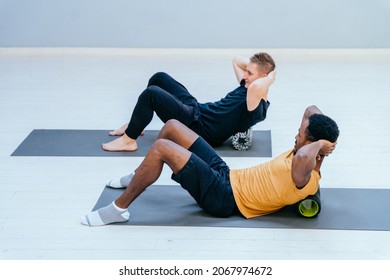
(179, 128)
(171, 147)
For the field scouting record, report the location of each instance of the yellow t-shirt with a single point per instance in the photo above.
(268, 187)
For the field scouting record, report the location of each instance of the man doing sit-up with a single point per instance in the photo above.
(254, 191)
(214, 121)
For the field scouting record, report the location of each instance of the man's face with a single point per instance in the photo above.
(300, 138)
(252, 73)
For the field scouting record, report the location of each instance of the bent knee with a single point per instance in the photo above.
(157, 77)
(162, 146)
(172, 127)
(173, 124)
(151, 90)
(151, 94)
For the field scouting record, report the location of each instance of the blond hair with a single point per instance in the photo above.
(264, 61)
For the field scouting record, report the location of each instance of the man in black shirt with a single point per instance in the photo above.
(213, 121)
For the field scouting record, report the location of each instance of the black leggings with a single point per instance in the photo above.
(168, 98)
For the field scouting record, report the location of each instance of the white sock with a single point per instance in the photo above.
(106, 215)
(120, 183)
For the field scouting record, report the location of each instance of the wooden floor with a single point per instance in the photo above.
(43, 198)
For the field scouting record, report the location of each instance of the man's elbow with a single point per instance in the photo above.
(313, 109)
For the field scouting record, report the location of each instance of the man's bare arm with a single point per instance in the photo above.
(239, 66)
(311, 110)
(309, 158)
(259, 90)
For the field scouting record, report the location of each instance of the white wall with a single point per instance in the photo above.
(195, 23)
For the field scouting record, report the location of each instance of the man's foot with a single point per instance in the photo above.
(123, 143)
(120, 183)
(119, 131)
(106, 215)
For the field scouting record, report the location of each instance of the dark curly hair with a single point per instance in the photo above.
(322, 127)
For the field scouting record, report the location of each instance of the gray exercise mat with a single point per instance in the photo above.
(60, 142)
(343, 209)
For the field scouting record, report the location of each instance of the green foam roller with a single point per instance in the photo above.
(310, 206)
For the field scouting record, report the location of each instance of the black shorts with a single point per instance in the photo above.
(206, 177)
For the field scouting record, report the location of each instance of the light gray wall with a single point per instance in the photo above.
(195, 23)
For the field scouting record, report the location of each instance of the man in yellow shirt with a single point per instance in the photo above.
(221, 192)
